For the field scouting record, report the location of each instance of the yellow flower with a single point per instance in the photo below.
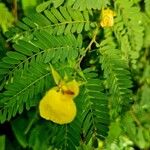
(71, 86)
(107, 19)
(58, 105)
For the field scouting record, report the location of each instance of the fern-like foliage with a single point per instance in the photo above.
(27, 68)
(116, 73)
(69, 35)
(24, 90)
(6, 18)
(44, 48)
(92, 120)
(68, 136)
(65, 137)
(137, 130)
(88, 4)
(77, 4)
(62, 20)
(147, 7)
(129, 20)
(96, 113)
(122, 38)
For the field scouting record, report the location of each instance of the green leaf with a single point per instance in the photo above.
(23, 90)
(18, 126)
(95, 104)
(28, 5)
(6, 18)
(56, 21)
(57, 3)
(117, 75)
(57, 78)
(22, 25)
(16, 55)
(43, 6)
(2, 142)
(10, 60)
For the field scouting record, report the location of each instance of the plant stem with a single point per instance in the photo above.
(135, 118)
(14, 10)
(87, 48)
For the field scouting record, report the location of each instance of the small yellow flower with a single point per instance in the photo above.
(107, 19)
(71, 86)
(58, 105)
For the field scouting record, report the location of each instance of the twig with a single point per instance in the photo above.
(32, 121)
(14, 10)
(88, 47)
(135, 118)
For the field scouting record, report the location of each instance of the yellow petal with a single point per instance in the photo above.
(71, 88)
(57, 107)
(107, 19)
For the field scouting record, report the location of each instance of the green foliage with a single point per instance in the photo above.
(2, 142)
(87, 4)
(23, 90)
(54, 48)
(64, 20)
(96, 113)
(147, 7)
(6, 18)
(111, 65)
(26, 58)
(116, 73)
(28, 6)
(129, 29)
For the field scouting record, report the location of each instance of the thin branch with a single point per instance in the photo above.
(15, 9)
(87, 48)
(135, 118)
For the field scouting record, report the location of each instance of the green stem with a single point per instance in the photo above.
(14, 10)
(87, 48)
